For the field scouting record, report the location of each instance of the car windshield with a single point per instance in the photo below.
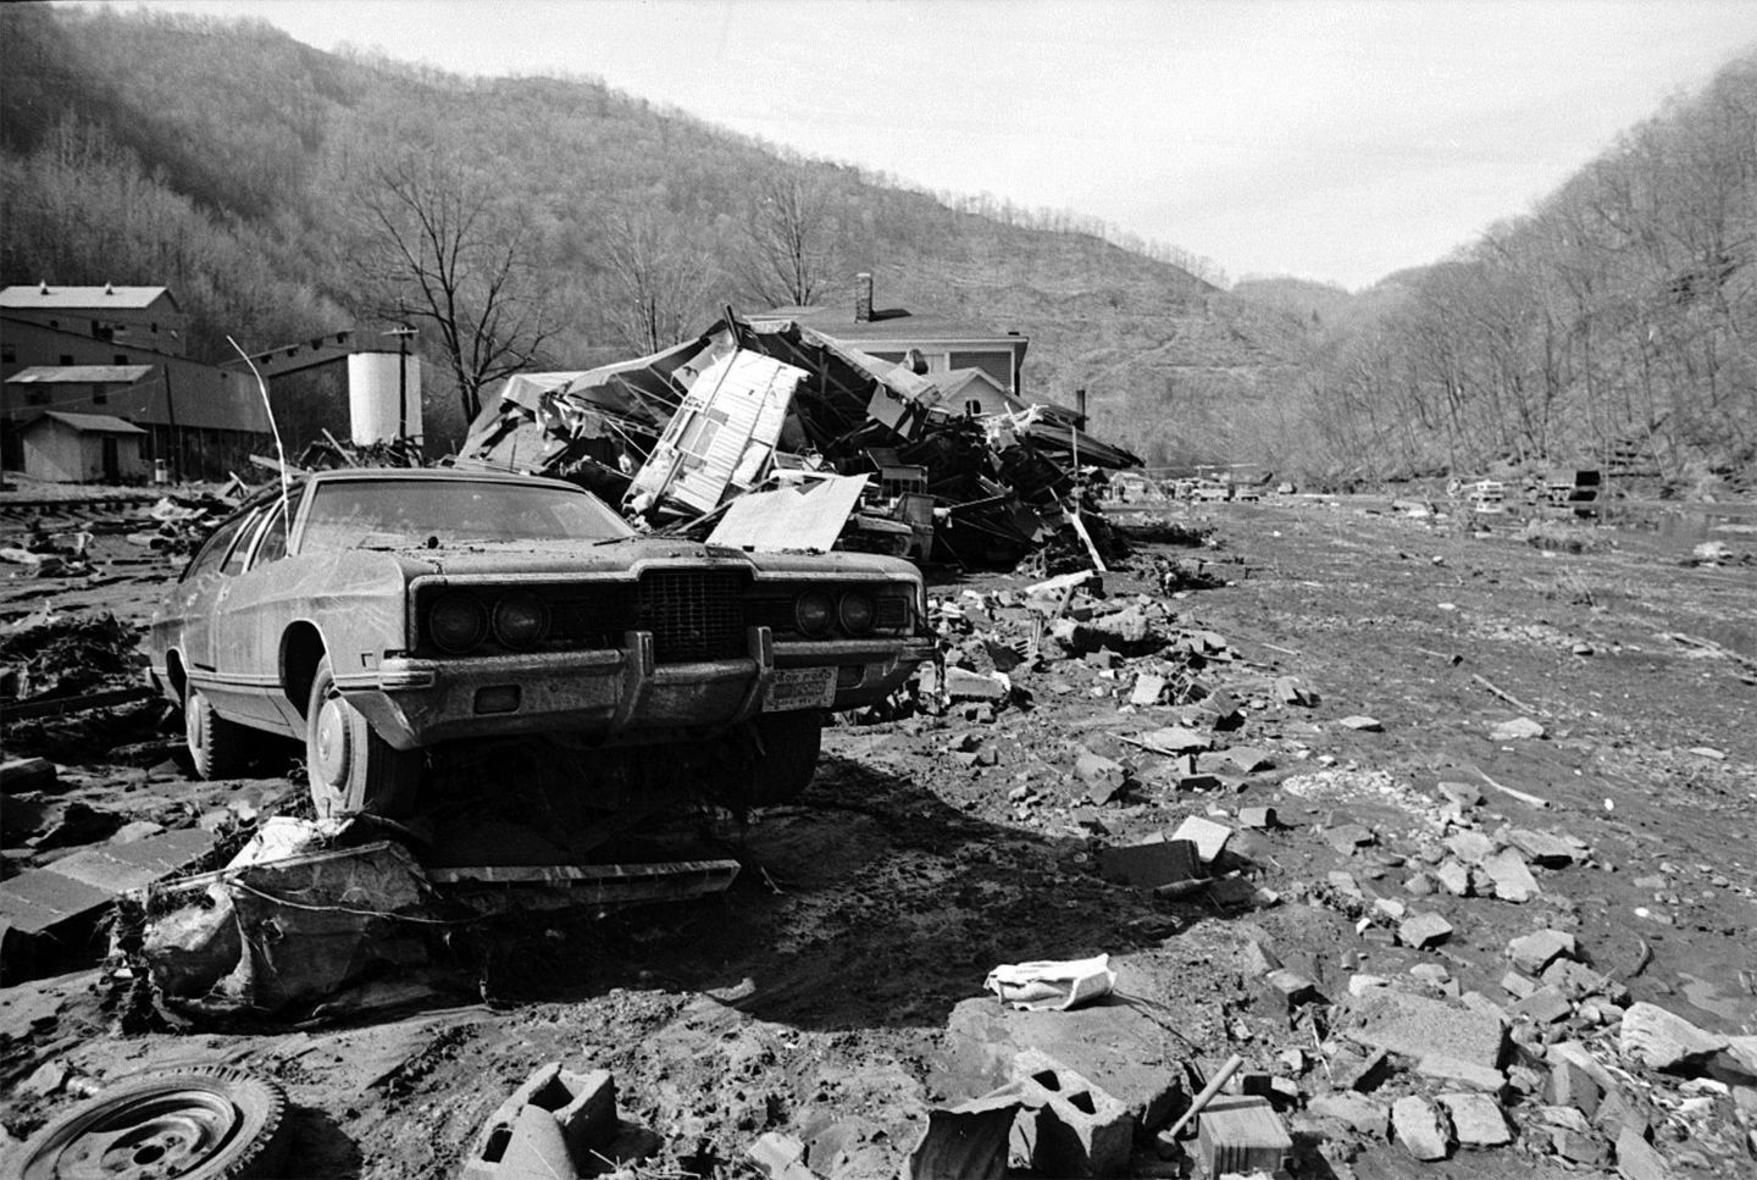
(389, 513)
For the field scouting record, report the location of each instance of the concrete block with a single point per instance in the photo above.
(1285, 990)
(535, 1149)
(1424, 930)
(1470, 847)
(1418, 1027)
(1080, 1129)
(580, 1107)
(1531, 953)
(1546, 1005)
(968, 1142)
(1570, 1085)
(1541, 848)
(1209, 837)
(1463, 1073)
(1364, 1074)
(1151, 863)
(1637, 1160)
(1242, 1135)
(1257, 817)
(1578, 1147)
(1513, 880)
(1477, 1120)
(1112, 1043)
(1454, 878)
(1517, 986)
(1148, 689)
(1418, 1125)
(1363, 1114)
(964, 685)
(1664, 1040)
(1346, 838)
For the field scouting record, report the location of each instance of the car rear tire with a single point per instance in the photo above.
(203, 1123)
(351, 768)
(216, 745)
(788, 746)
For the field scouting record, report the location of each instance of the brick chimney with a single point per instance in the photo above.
(862, 298)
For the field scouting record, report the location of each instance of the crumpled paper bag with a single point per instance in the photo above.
(1052, 985)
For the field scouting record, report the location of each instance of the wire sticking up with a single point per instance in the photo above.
(280, 451)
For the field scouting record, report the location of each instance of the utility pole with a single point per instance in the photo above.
(402, 332)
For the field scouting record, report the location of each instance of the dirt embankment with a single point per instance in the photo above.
(1352, 675)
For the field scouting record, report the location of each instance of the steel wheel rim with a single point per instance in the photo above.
(330, 742)
(154, 1137)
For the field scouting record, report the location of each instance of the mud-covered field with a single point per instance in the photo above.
(816, 998)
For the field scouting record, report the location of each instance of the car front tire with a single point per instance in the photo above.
(216, 745)
(788, 746)
(351, 768)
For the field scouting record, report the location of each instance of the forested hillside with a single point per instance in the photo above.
(282, 191)
(1618, 318)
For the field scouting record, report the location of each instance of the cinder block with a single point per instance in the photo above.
(581, 1106)
(1241, 1135)
(1080, 1129)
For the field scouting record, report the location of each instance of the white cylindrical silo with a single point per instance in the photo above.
(384, 392)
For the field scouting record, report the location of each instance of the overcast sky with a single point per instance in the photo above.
(1331, 139)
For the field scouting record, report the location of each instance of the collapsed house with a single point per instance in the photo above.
(769, 433)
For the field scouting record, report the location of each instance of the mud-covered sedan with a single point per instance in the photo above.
(384, 616)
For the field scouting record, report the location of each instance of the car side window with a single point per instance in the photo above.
(207, 559)
(273, 545)
(234, 562)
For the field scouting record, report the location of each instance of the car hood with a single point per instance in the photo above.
(574, 557)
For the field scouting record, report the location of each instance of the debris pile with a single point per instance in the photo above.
(49, 655)
(678, 436)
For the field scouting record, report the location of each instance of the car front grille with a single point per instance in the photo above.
(693, 615)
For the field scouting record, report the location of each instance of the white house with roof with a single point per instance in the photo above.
(941, 345)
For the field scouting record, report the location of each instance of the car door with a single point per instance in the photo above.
(212, 638)
(247, 633)
(187, 621)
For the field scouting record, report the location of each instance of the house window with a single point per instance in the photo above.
(8, 355)
(54, 323)
(36, 397)
(66, 358)
(155, 329)
(100, 395)
(120, 358)
(973, 407)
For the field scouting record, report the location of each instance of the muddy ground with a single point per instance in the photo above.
(813, 999)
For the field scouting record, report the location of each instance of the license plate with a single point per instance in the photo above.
(800, 688)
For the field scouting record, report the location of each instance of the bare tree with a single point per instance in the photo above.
(658, 279)
(443, 256)
(788, 235)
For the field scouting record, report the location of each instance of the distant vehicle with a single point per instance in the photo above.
(382, 615)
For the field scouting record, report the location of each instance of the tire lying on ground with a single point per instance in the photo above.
(204, 1123)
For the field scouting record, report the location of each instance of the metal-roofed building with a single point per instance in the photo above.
(136, 317)
(81, 448)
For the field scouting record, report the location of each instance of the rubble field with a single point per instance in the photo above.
(1447, 837)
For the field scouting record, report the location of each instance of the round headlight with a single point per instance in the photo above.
(856, 612)
(814, 613)
(457, 623)
(520, 620)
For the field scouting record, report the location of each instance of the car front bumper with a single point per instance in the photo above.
(621, 693)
